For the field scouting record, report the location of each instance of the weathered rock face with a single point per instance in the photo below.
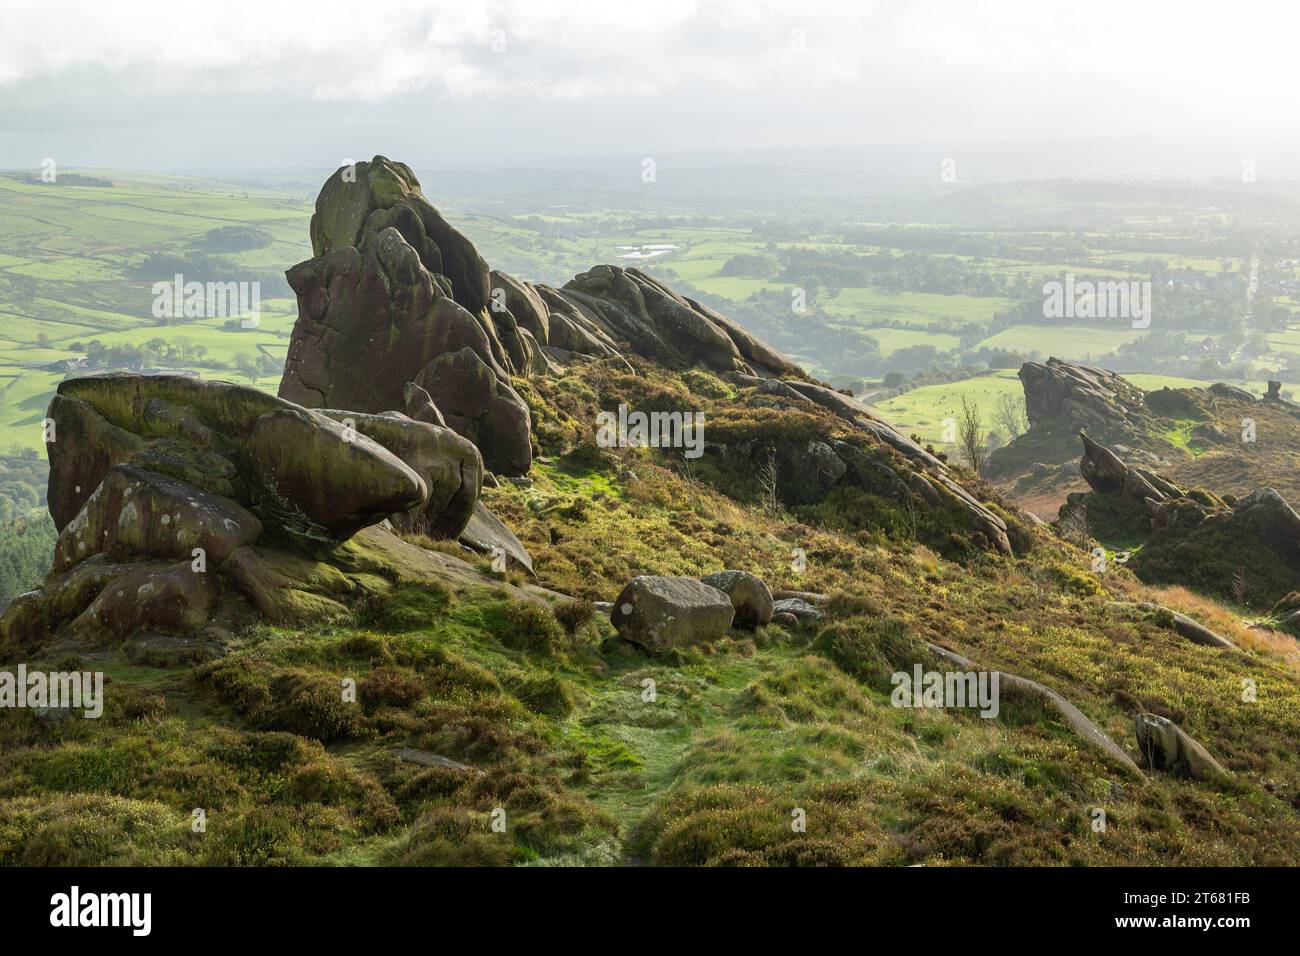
(371, 320)
(316, 481)
(524, 304)
(194, 496)
(661, 613)
(294, 469)
(395, 295)
(1166, 746)
(748, 594)
(1105, 472)
(134, 511)
(630, 306)
(483, 407)
(449, 465)
(1082, 394)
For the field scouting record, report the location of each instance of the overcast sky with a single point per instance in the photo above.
(279, 83)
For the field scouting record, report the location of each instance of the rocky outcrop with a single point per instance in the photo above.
(393, 287)
(398, 311)
(208, 504)
(748, 594)
(895, 467)
(1166, 746)
(629, 306)
(1192, 536)
(1065, 398)
(1267, 513)
(1083, 395)
(1105, 472)
(661, 613)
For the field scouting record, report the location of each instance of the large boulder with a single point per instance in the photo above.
(201, 506)
(448, 464)
(319, 483)
(138, 512)
(748, 595)
(151, 596)
(297, 470)
(662, 613)
(798, 608)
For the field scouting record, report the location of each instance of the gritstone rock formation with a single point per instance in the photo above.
(185, 505)
(1081, 393)
(1195, 536)
(397, 310)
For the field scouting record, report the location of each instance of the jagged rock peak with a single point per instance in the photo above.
(1083, 394)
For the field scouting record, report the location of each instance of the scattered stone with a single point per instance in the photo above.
(798, 608)
(426, 758)
(749, 596)
(811, 597)
(662, 613)
(485, 533)
(1073, 717)
(1166, 746)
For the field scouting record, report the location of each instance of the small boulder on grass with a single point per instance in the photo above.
(662, 613)
(1166, 746)
(797, 608)
(749, 596)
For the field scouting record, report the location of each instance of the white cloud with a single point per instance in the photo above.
(824, 70)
